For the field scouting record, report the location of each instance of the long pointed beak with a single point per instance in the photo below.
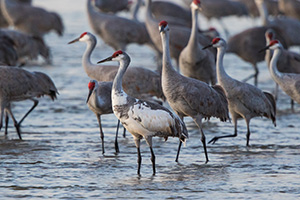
(76, 40)
(104, 60)
(207, 46)
(267, 47)
(90, 93)
(161, 29)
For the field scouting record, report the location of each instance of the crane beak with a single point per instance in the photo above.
(90, 93)
(207, 46)
(73, 41)
(104, 60)
(267, 47)
(161, 29)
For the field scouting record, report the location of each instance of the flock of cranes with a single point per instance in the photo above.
(197, 86)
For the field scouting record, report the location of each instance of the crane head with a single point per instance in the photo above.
(163, 26)
(79, 38)
(215, 43)
(118, 55)
(270, 34)
(91, 87)
(196, 4)
(274, 44)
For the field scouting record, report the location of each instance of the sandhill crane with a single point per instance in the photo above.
(32, 20)
(193, 61)
(99, 101)
(244, 100)
(288, 62)
(290, 8)
(272, 7)
(17, 84)
(188, 96)
(288, 82)
(28, 47)
(138, 82)
(8, 53)
(141, 118)
(112, 6)
(176, 45)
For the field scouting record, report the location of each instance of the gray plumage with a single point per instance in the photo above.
(290, 8)
(272, 7)
(8, 53)
(138, 81)
(112, 6)
(195, 62)
(32, 20)
(18, 85)
(244, 100)
(141, 118)
(188, 96)
(99, 101)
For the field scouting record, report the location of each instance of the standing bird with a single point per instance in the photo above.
(141, 118)
(188, 96)
(112, 6)
(244, 100)
(195, 62)
(138, 81)
(18, 85)
(288, 82)
(32, 20)
(99, 101)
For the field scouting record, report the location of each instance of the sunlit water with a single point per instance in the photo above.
(60, 155)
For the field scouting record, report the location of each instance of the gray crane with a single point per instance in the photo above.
(193, 61)
(32, 20)
(18, 85)
(99, 101)
(141, 118)
(272, 7)
(112, 6)
(290, 8)
(288, 82)
(244, 100)
(188, 96)
(8, 53)
(138, 81)
(28, 47)
(288, 62)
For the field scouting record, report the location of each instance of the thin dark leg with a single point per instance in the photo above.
(35, 103)
(101, 132)
(178, 151)
(124, 132)
(213, 141)
(204, 145)
(153, 160)
(139, 160)
(116, 139)
(248, 133)
(6, 123)
(15, 123)
(292, 105)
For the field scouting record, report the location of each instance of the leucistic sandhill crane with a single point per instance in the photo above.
(288, 62)
(8, 53)
(244, 100)
(115, 31)
(193, 61)
(141, 118)
(290, 8)
(112, 6)
(176, 45)
(99, 101)
(28, 47)
(18, 85)
(32, 20)
(188, 96)
(288, 82)
(138, 81)
(246, 43)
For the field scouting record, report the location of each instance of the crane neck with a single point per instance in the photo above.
(86, 58)
(167, 68)
(149, 15)
(273, 65)
(135, 10)
(221, 73)
(117, 83)
(194, 32)
(263, 12)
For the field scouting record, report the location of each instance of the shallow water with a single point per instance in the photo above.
(60, 155)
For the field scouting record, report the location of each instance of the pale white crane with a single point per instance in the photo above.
(28, 47)
(17, 84)
(138, 81)
(32, 20)
(288, 82)
(99, 101)
(244, 100)
(195, 62)
(188, 96)
(141, 118)
(288, 62)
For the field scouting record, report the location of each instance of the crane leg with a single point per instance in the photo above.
(198, 121)
(35, 103)
(124, 133)
(255, 75)
(178, 151)
(6, 123)
(153, 160)
(16, 124)
(248, 132)
(116, 139)
(101, 132)
(292, 105)
(213, 141)
(139, 159)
